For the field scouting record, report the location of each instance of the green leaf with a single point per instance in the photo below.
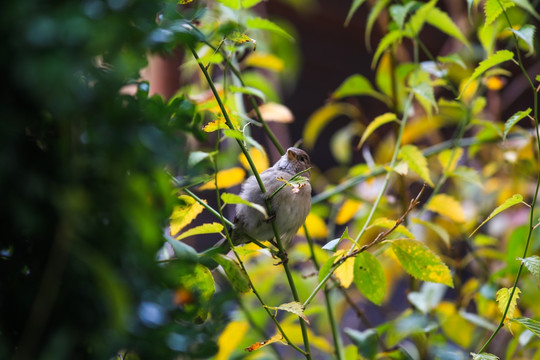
(197, 281)
(332, 244)
(452, 58)
(470, 4)
(322, 117)
(341, 142)
(439, 230)
(375, 124)
(492, 9)
(366, 341)
(495, 59)
(210, 228)
(356, 85)
(248, 91)
(440, 19)
(233, 4)
(265, 24)
(424, 91)
(354, 6)
(526, 33)
(292, 307)
(392, 37)
(416, 162)
(234, 272)
(417, 20)
(246, 4)
(368, 276)
(525, 4)
(325, 268)
(419, 261)
(503, 298)
(532, 263)
(515, 199)
(388, 224)
(399, 12)
(235, 199)
(531, 324)
(376, 9)
(182, 250)
(484, 356)
(513, 120)
(467, 174)
(537, 78)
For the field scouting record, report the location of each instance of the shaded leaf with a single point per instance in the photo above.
(531, 324)
(503, 298)
(448, 206)
(292, 307)
(515, 199)
(419, 261)
(525, 4)
(321, 117)
(225, 179)
(467, 174)
(182, 250)
(424, 92)
(388, 224)
(428, 298)
(234, 272)
(375, 124)
(259, 158)
(209, 228)
(399, 12)
(526, 33)
(452, 58)
(248, 91)
(445, 156)
(265, 24)
(368, 276)
(416, 162)
(276, 112)
(366, 341)
(514, 119)
(374, 13)
(196, 284)
(184, 214)
(356, 85)
(332, 244)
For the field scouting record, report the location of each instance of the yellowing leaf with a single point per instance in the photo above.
(388, 224)
(503, 297)
(215, 125)
(225, 179)
(294, 333)
(419, 261)
(454, 325)
(230, 338)
(210, 228)
(345, 273)
(276, 112)
(416, 162)
(448, 206)
(183, 214)
(321, 117)
(258, 345)
(292, 307)
(260, 159)
(316, 227)
(241, 38)
(445, 156)
(515, 199)
(375, 124)
(347, 211)
(265, 61)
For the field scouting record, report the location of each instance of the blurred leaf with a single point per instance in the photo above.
(428, 298)
(375, 124)
(197, 280)
(484, 356)
(448, 206)
(399, 12)
(316, 227)
(233, 4)
(526, 33)
(347, 211)
(209, 228)
(184, 214)
(494, 8)
(531, 324)
(389, 39)
(419, 261)
(259, 158)
(388, 224)
(354, 6)
(503, 298)
(292, 307)
(216, 125)
(453, 59)
(276, 112)
(532, 263)
(332, 244)
(366, 341)
(265, 61)
(356, 85)
(417, 20)
(234, 272)
(325, 268)
(230, 339)
(341, 142)
(351, 351)
(454, 326)
(248, 91)
(225, 179)
(405, 325)
(236, 199)
(241, 38)
(442, 21)
(277, 337)
(445, 156)
(514, 119)
(183, 251)
(416, 162)
(514, 200)
(493, 60)
(265, 24)
(321, 117)
(368, 276)
(467, 174)
(374, 13)
(525, 4)
(439, 230)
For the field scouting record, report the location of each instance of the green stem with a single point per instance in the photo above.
(287, 182)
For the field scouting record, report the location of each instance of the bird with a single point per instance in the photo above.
(289, 207)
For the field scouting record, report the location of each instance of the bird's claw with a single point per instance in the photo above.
(282, 255)
(270, 218)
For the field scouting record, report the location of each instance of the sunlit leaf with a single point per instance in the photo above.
(292, 307)
(439, 230)
(321, 117)
(276, 112)
(484, 356)
(453, 59)
(531, 324)
(265, 24)
(389, 39)
(277, 337)
(419, 261)
(493, 60)
(354, 6)
(467, 174)
(209, 228)
(215, 125)
(347, 211)
(368, 276)
(448, 206)
(416, 162)
(514, 119)
(246, 4)
(417, 20)
(492, 9)
(388, 224)
(442, 21)
(248, 91)
(225, 179)
(230, 338)
(260, 159)
(515, 199)
(265, 61)
(184, 214)
(375, 124)
(235, 199)
(445, 156)
(526, 33)
(233, 4)
(234, 272)
(503, 298)
(316, 227)
(345, 272)
(356, 85)
(374, 13)
(241, 38)
(399, 12)
(532, 263)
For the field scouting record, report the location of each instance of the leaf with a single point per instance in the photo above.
(196, 285)
(215, 125)
(484, 356)
(467, 174)
(345, 272)
(182, 250)
(428, 298)
(493, 60)
(347, 211)
(321, 117)
(531, 324)
(492, 9)
(332, 244)
(259, 158)
(354, 6)
(292, 307)
(375, 124)
(532, 263)
(439, 230)
(234, 272)
(233, 4)
(453, 59)
(236, 199)
(225, 179)
(327, 265)
(515, 199)
(525, 4)
(388, 224)
(424, 93)
(265, 24)
(448, 206)
(276, 113)
(356, 85)
(184, 214)
(417, 20)
(440, 19)
(209, 228)
(526, 33)
(368, 276)
(399, 12)
(503, 298)
(445, 156)
(416, 162)
(514, 119)
(366, 341)
(265, 61)
(376, 9)
(316, 227)
(388, 39)
(419, 261)
(277, 337)
(241, 38)
(230, 338)
(248, 91)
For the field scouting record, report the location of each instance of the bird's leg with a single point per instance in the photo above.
(270, 218)
(282, 255)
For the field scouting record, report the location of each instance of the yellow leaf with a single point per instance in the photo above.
(448, 206)
(265, 61)
(503, 297)
(347, 211)
(225, 179)
(294, 333)
(215, 125)
(444, 159)
(454, 325)
(420, 127)
(345, 273)
(258, 345)
(416, 162)
(183, 214)
(316, 227)
(375, 124)
(230, 338)
(209, 228)
(276, 113)
(322, 116)
(260, 159)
